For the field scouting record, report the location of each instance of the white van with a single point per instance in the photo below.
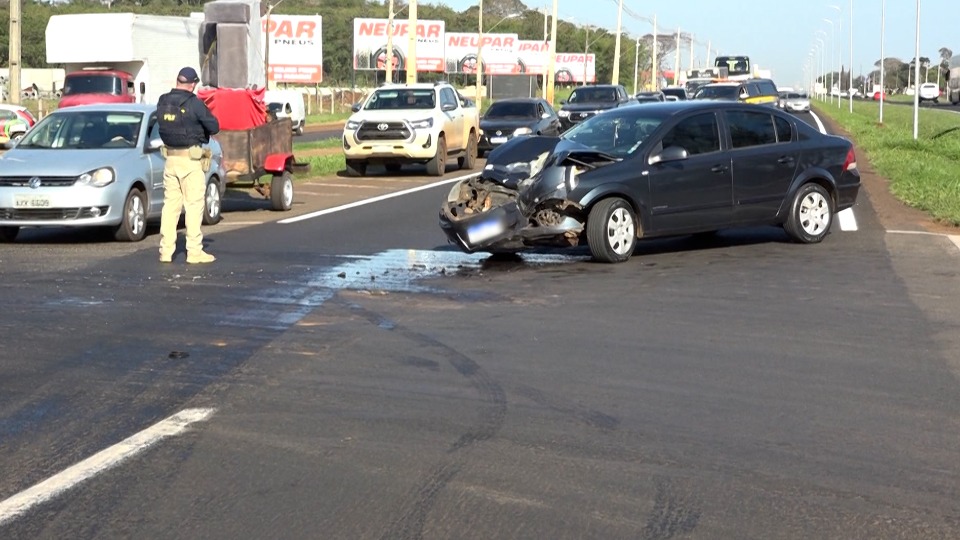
(287, 104)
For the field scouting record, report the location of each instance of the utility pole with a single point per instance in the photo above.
(479, 67)
(412, 42)
(14, 50)
(388, 65)
(546, 65)
(616, 47)
(676, 63)
(655, 72)
(549, 82)
(691, 51)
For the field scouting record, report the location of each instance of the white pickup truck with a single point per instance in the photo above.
(401, 124)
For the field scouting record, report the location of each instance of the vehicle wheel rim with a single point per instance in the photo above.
(136, 216)
(620, 231)
(213, 200)
(814, 214)
(287, 192)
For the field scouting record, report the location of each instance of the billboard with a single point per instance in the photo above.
(533, 55)
(370, 44)
(296, 48)
(571, 68)
(499, 55)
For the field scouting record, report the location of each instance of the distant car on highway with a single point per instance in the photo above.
(15, 120)
(655, 96)
(509, 118)
(93, 165)
(586, 101)
(656, 170)
(930, 92)
(796, 102)
(677, 91)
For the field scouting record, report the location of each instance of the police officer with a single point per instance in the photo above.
(185, 124)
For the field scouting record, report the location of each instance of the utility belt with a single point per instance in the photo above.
(196, 153)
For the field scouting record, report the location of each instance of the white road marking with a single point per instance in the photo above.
(955, 239)
(848, 221)
(52, 487)
(952, 237)
(820, 125)
(372, 200)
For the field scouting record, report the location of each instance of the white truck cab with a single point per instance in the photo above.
(287, 104)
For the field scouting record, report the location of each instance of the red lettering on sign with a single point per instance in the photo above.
(379, 29)
(535, 46)
(286, 29)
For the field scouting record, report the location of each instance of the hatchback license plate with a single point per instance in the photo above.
(498, 140)
(31, 201)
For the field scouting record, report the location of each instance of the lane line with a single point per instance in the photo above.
(820, 126)
(106, 459)
(848, 221)
(372, 200)
(955, 239)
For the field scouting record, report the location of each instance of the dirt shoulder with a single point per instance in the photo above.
(892, 213)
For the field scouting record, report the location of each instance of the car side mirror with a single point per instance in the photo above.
(670, 153)
(155, 144)
(744, 95)
(545, 116)
(355, 107)
(446, 107)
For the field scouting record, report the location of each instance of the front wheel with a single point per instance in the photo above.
(811, 214)
(212, 203)
(133, 224)
(356, 167)
(611, 230)
(281, 191)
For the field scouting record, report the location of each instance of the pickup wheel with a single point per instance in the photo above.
(281, 191)
(8, 234)
(469, 160)
(356, 167)
(438, 165)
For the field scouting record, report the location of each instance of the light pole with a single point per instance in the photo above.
(616, 47)
(266, 48)
(389, 63)
(916, 75)
(549, 82)
(839, 54)
(586, 51)
(655, 71)
(636, 65)
(823, 74)
(883, 63)
(412, 42)
(676, 62)
(850, 84)
(832, 42)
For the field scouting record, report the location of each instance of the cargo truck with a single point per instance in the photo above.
(120, 57)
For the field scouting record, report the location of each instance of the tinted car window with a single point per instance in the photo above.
(449, 97)
(697, 135)
(717, 92)
(767, 88)
(592, 95)
(754, 89)
(402, 99)
(749, 128)
(784, 129)
(505, 109)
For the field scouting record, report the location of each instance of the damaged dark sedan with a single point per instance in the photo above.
(663, 169)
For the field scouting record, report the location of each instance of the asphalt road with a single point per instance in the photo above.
(351, 376)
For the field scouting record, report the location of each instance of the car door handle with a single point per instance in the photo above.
(785, 160)
(719, 168)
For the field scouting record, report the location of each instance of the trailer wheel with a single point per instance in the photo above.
(281, 191)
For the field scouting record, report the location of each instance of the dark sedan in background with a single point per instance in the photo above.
(661, 169)
(509, 118)
(586, 101)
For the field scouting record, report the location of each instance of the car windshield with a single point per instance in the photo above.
(92, 84)
(87, 129)
(795, 96)
(506, 109)
(401, 98)
(592, 95)
(717, 92)
(616, 134)
(679, 92)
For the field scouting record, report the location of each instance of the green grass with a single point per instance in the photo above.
(326, 118)
(328, 165)
(333, 142)
(922, 172)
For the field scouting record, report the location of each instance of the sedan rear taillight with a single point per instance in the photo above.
(850, 163)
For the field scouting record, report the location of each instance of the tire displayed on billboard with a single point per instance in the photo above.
(379, 59)
(563, 76)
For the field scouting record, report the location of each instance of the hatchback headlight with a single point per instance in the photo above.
(522, 131)
(426, 123)
(98, 178)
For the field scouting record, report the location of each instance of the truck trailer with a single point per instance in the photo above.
(120, 57)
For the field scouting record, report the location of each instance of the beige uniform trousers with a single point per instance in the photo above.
(183, 189)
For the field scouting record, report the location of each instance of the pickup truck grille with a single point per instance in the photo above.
(45, 181)
(581, 116)
(383, 131)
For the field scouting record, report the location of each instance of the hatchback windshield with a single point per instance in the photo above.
(593, 95)
(717, 92)
(401, 99)
(506, 109)
(618, 135)
(88, 129)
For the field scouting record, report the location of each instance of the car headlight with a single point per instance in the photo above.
(352, 124)
(98, 178)
(563, 114)
(426, 123)
(522, 131)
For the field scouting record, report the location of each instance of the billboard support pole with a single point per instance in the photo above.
(549, 84)
(412, 42)
(478, 69)
(388, 66)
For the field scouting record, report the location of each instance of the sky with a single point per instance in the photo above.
(778, 35)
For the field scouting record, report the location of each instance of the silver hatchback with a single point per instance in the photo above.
(796, 102)
(93, 165)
